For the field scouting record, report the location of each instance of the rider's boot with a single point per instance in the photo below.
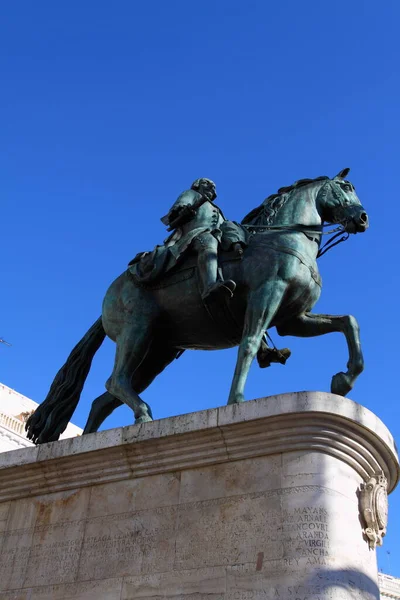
(207, 248)
(267, 355)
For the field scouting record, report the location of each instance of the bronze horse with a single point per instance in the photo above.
(277, 285)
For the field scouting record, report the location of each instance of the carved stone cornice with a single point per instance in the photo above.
(303, 421)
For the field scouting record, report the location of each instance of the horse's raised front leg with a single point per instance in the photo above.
(262, 306)
(310, 325)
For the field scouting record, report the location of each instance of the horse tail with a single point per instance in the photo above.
(51, 418)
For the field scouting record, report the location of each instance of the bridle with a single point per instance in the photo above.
(339, 233)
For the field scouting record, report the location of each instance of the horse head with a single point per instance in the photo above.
(339, 203)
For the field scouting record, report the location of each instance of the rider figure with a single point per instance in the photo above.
(196, 222)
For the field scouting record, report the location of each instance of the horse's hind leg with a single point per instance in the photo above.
(102, 407)
(132, 346)
(154, 363)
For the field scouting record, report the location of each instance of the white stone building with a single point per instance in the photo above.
(14, 410)
(389, 586)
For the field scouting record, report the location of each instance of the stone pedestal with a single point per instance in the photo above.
(278, 498)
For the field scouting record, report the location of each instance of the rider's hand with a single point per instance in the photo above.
(189, 211)
(178, 209)
(174, 213)
(184, 212)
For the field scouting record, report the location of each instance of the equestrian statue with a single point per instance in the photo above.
(214, 284)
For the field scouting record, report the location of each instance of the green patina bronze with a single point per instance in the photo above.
(213, 284)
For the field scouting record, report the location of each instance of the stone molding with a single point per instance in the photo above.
(302, 421)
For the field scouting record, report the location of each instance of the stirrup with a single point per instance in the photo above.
(268, 356)
(227, 286)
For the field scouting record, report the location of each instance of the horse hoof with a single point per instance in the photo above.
(143, 419)
(236, 399)
(341, 384)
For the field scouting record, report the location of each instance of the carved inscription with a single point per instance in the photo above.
(128, 544)
(346, 590)
(294, 592)
(267, 545)
(14, 555)
(306, 536)
(89, 590)
(304, 533)
(55, 554)
(278, 592)
(228, 531)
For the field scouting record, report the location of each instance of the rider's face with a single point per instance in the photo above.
(208, 189)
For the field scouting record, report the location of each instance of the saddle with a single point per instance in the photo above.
(147, 267)
(159, 269)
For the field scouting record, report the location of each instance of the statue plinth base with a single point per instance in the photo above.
(278, 498)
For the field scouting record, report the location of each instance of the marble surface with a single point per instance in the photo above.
(252, 502)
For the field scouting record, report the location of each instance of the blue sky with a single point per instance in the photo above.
(110, 110)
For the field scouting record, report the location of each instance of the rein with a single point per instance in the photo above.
(313, 229)
(317, 229)
(331, 243)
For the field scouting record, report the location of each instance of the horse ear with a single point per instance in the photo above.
(342, 174)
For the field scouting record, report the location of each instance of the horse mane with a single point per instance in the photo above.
(265, 213)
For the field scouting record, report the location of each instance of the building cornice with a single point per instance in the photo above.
(15, 425)
(389, 586)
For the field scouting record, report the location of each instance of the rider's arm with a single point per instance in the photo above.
(186, 199)
(183, 204)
